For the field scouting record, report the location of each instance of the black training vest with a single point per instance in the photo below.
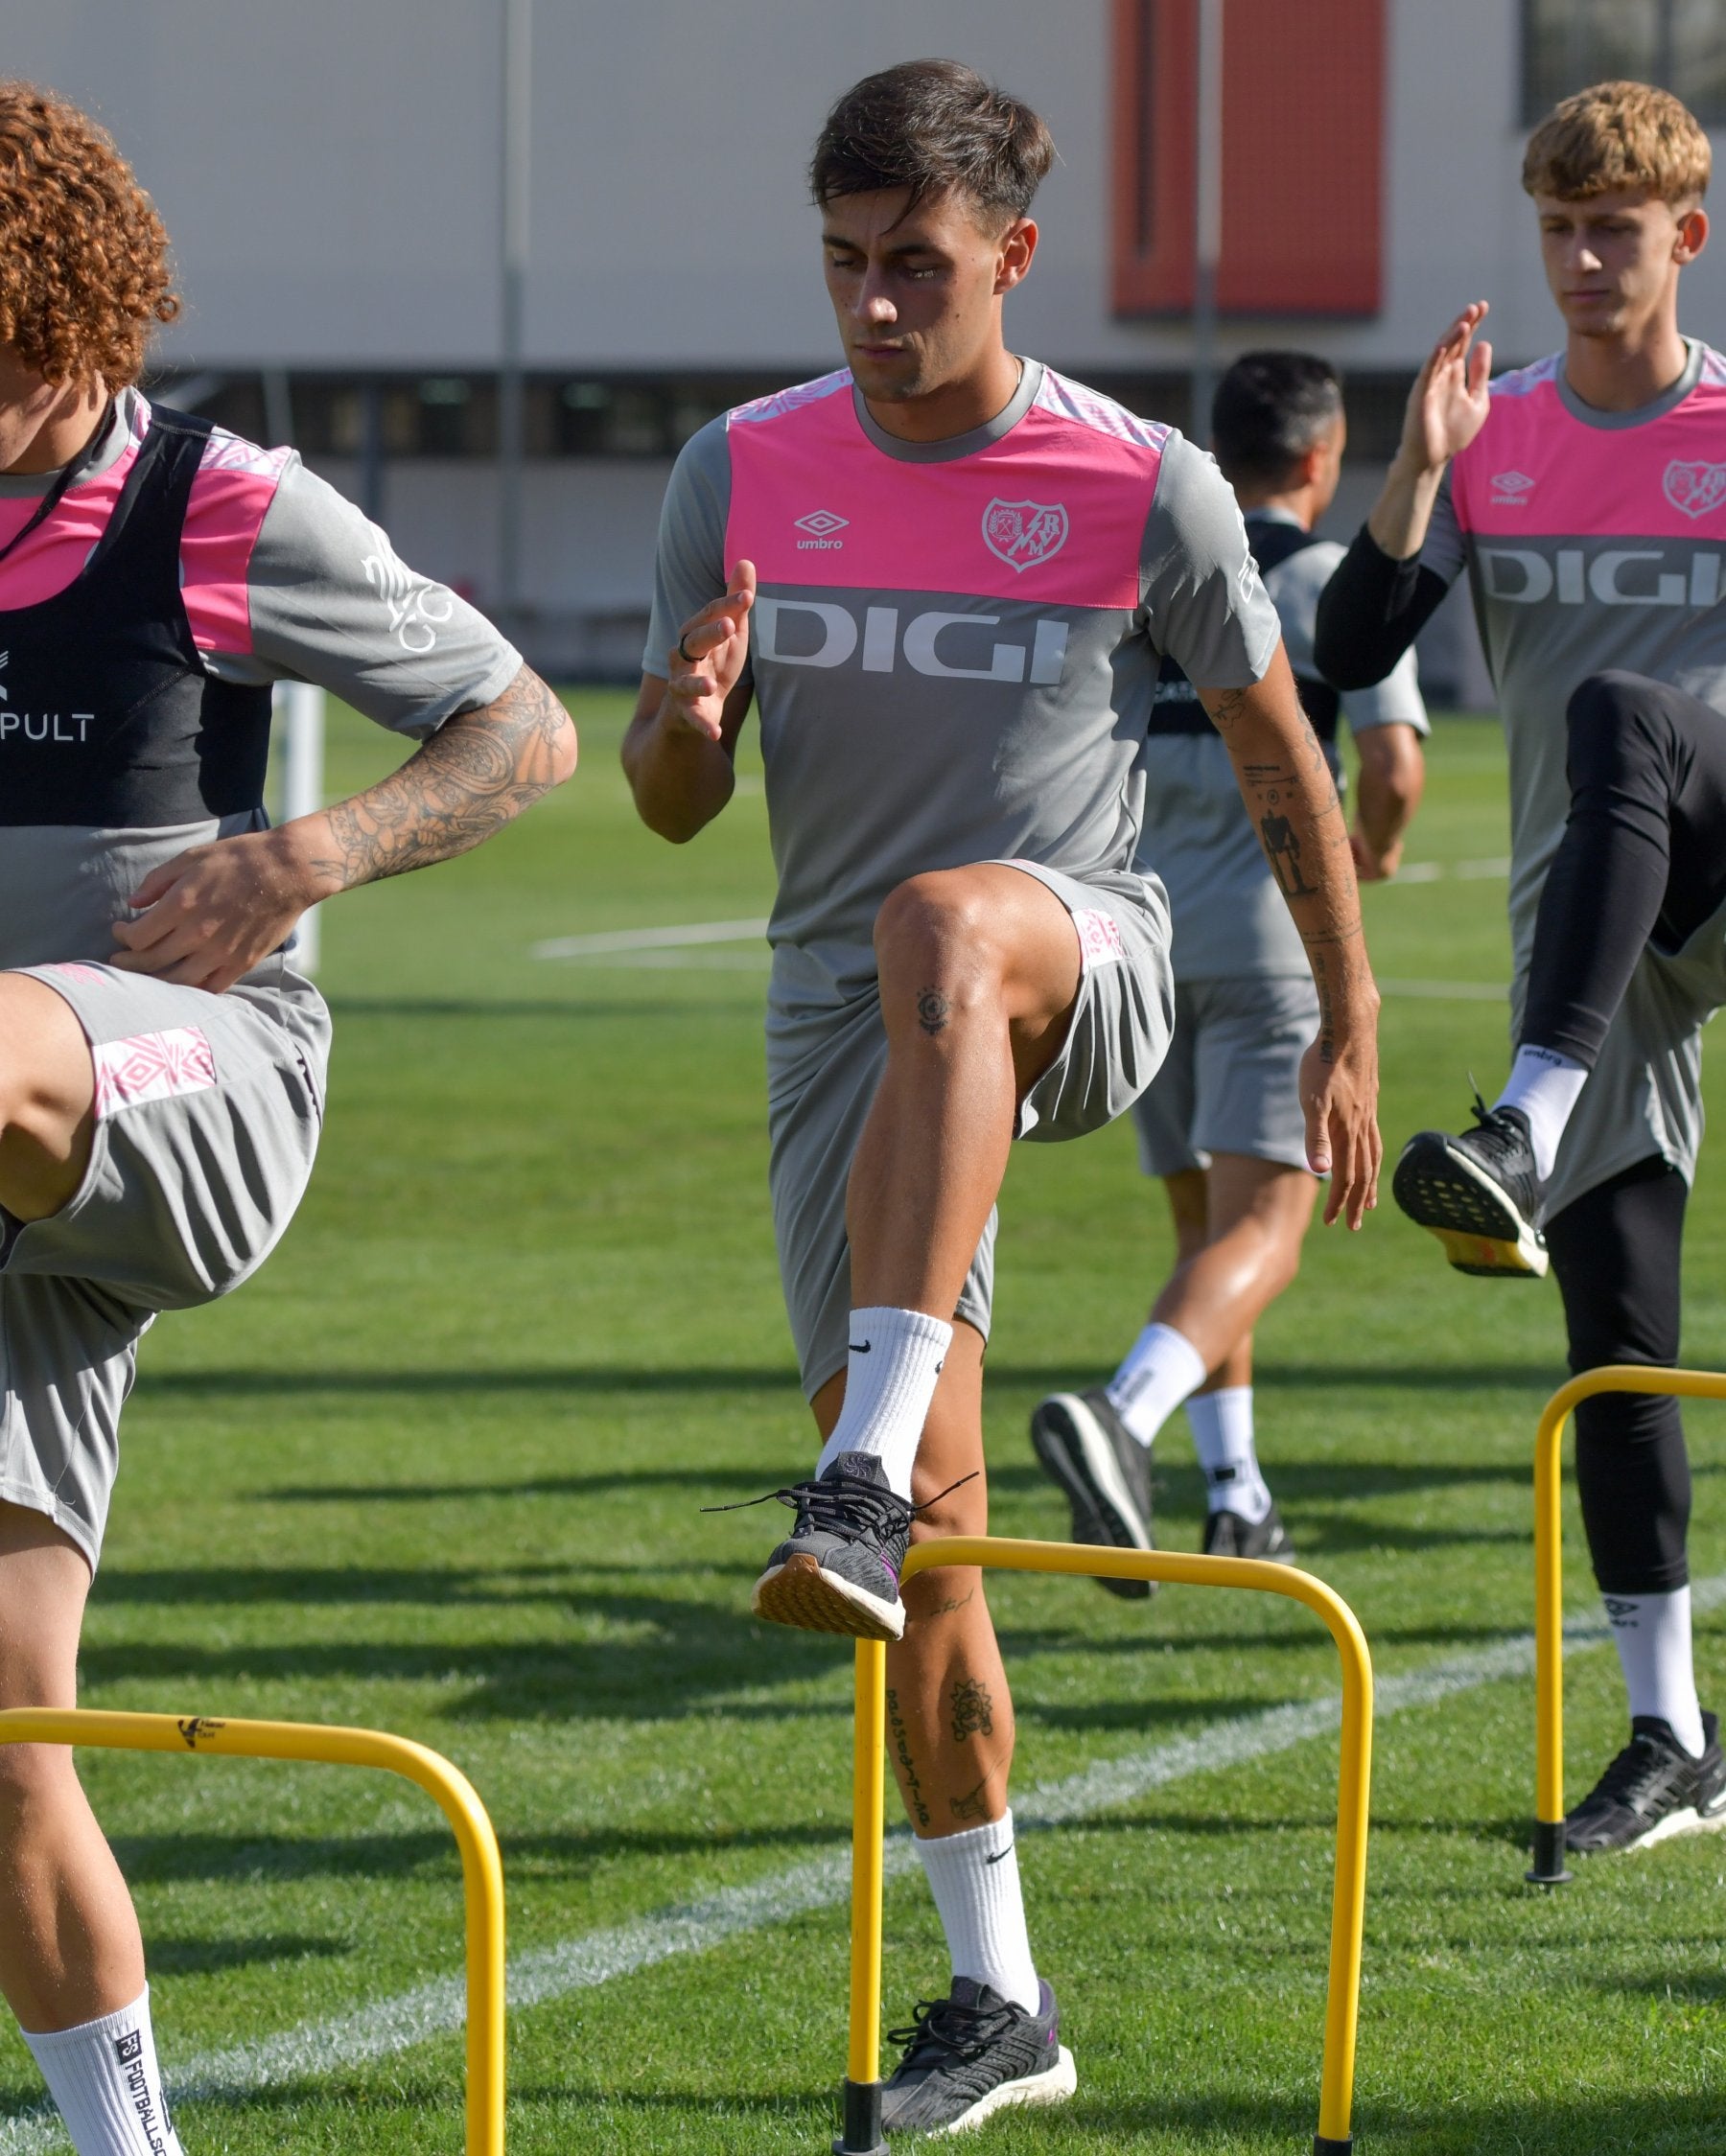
(1176, 708)
(107, 716)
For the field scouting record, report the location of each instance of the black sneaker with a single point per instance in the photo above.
(1478, 1193)
(1654, 1789)
(838, 1568)
(1102, 1470)
(972, 2054)
(1228, 1535)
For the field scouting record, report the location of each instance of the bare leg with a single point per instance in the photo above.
(979, 973)
(47, 1095)
(949, 1714)
(69, 1944)
(1229, 1272)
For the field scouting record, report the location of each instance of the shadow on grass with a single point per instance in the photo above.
(214, 1957)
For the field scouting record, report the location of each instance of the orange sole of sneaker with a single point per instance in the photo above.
(799, 1592)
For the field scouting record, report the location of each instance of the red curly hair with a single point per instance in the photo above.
(84, 258)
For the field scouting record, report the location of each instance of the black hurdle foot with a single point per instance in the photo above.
(861, 2134)
(1549, 1868)
(1323, 2145)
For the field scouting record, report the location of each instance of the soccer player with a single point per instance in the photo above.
(946, 576)
(162, 1065)
(1586, 497)
(1222, 1123)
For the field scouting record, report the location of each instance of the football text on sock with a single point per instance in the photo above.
(895, 1357)
(1161, 1367)
(104, 2076)
(974, 1879)
(1544, 1086)
(1222, 1438)
(1652, 1636)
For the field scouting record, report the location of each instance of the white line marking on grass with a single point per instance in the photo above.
(649, 939)
(1447, 991)
(1464, 872)
(540, 1975)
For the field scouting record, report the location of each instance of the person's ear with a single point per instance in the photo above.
(1017, 245)
(1692, 235)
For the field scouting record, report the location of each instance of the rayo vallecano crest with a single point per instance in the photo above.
(1023, 533)
(1694, 488)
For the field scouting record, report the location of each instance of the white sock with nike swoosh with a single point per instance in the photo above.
(974, 1879)
(896, 1357)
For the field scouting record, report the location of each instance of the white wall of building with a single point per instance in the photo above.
(329, 172)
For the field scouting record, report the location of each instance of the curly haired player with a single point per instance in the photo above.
(162, 1065)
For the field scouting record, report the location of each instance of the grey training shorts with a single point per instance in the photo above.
(1230, 1083)
(207, 1114)
(824, 1061)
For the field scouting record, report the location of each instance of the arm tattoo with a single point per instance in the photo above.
(477, 772)
(973, 1711)
(932, 1009)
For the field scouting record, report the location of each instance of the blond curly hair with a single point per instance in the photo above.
(1618, 135)
(84, 258)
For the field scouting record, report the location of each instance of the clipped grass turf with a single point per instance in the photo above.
(438, 1471)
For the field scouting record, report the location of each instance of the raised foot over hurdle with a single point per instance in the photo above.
(1549, 1868)
(202, 1735)
(861, 2127)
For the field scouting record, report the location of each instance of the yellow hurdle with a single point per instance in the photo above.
(1549, 1868)
(861, 2133)
(481, 1868)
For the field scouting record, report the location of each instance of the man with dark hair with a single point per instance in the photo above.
(1586, 497)
(947, 576)
(162, 1065)
(1221, 1122)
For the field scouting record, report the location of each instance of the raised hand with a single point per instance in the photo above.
(1448, 404)
(707, 663)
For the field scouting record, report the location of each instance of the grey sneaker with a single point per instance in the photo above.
(1652, 1790)
(838, 1568)
(1103, 1472)
(972, 2054)
(1228, 1535)
(1478, 1193)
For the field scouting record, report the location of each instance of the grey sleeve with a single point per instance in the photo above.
(1201, 594)
(1442, 550)
(1294, 586)
(689, 566)
(332, 603)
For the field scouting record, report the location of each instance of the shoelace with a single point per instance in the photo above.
(1642, 1768)
(944, 2025)
(836, 1503)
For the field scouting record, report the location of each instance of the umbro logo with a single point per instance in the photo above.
(1511, 488)
(821, 524)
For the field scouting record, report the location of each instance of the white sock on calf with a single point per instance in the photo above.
(1222, 1438)
(1544, 1086)
(896, 1357)
(1652, 1636)
(105, 2078)
(974, 1879)
(1161, 1367)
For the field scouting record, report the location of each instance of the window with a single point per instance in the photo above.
(1680, 44)
(1303, 95)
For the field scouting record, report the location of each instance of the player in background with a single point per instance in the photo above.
(1586, 497)
(162, 1065)
(947, 577)
(1222, 1120)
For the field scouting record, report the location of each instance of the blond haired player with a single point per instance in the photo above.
(1586, 499)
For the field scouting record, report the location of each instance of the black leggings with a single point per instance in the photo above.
(1616, 1253)
(1644, 854)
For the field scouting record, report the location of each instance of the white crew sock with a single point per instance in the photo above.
(1544, 1086)
(1222, 1438)
(974, 1879)
(105, 2077)
(1652, 1636)
(1161, 1367)
(895, 1357)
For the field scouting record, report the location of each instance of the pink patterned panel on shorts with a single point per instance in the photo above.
(152, 1067)
(1099, 936)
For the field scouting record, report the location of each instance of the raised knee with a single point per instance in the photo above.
(930, 925)
(1605, 708)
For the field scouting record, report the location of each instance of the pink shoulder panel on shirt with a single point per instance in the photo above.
(235, 485)
(1055, 510)
(1534, 468)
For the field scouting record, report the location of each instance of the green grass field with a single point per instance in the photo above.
(440, 1468)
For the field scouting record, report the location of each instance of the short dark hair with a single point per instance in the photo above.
(935, 126)
(1271, 407)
